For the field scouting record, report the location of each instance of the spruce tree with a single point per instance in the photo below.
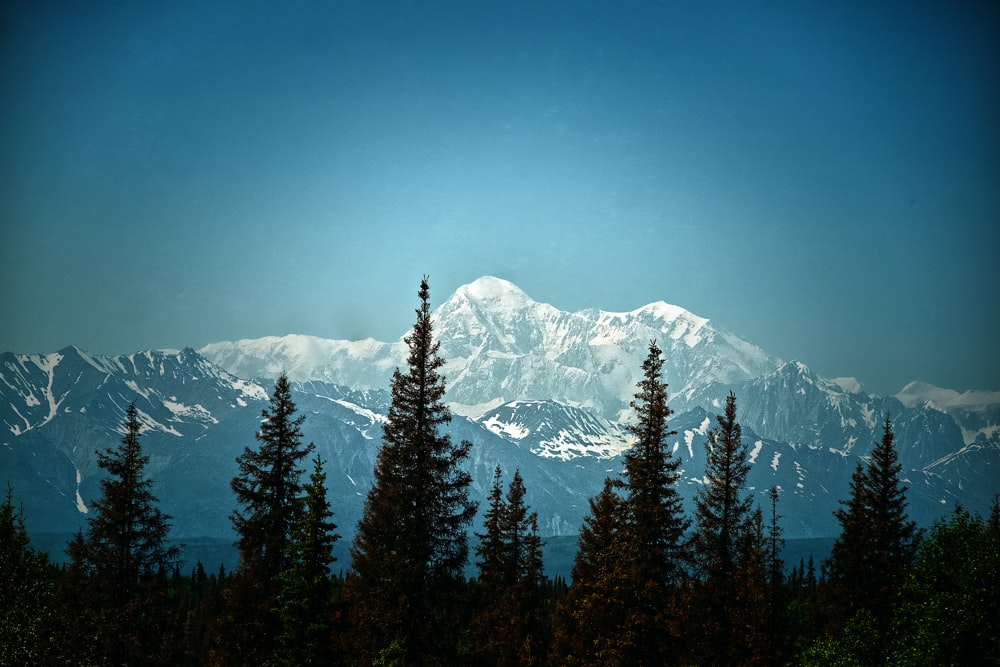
(410, 547)
(126, 537)
(508, 628)
(111, 594)
(589, 623)
(26, 579)
(655, 524)
(268, 489)
(305, 597)
(877, 540)
(777, 603)
(724, 525)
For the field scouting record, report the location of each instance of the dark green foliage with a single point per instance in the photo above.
(589, 618)
(722, 505)
(729, 552)
(777, 600)
(127, 536)
(653, 531)
(268, 487)
(410, 547)
(623, 606)
(877, 541)
(306, 592)
(268, 490)
(509, 627)
(949, 601)
(111, 605)
(26, 579)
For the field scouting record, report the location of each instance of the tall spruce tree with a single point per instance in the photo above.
(724, 529)
(305, 596)
(268, 489)
(112, 595)
(126, 538)
(410, 547)
(655, 523)
(508, 627)
(877, 540)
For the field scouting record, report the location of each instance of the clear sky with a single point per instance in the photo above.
(821, 178)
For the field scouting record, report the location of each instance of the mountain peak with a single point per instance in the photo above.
(490, 289)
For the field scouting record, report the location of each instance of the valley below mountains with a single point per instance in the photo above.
(532, 387)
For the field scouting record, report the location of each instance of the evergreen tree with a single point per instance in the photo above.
(877, 541)
(589, 624)
(777, 603)
(268, 489)
(305, 597)
(494, 572)
(127, 536)
(111, 596)
(950, 598)
(726, 608)
(25, 584)
(655, 523)
(410, 547)
(509, 627)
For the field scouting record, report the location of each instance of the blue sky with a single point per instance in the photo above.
(820, 178)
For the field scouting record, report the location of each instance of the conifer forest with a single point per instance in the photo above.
(650, 583)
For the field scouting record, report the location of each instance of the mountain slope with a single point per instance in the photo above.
(500, 345)
(533, 388)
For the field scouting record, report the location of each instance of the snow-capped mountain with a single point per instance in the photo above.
(556, 430)
(500, 345)
(976, 412)
(58, 409)
(533, 388)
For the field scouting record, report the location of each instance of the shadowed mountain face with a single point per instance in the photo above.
(533, 388)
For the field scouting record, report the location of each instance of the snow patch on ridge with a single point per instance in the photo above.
(507, 429)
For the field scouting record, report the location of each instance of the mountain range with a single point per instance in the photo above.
(532, 387)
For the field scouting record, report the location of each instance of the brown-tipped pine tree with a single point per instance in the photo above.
(268, 489)
(877, 540)
(410, 547)
(508, 628)
(654, 523)
(726, 605)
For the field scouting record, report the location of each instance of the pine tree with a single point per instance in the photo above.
(494, 572)
(112, 595)
(127, 536)
(777, 603)
(305, 597)
(723, 521)
(26, 579)
(268, 489)
(410, 547)
(508, 628)
(877, 541)
(589, 624)
(655, 524)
